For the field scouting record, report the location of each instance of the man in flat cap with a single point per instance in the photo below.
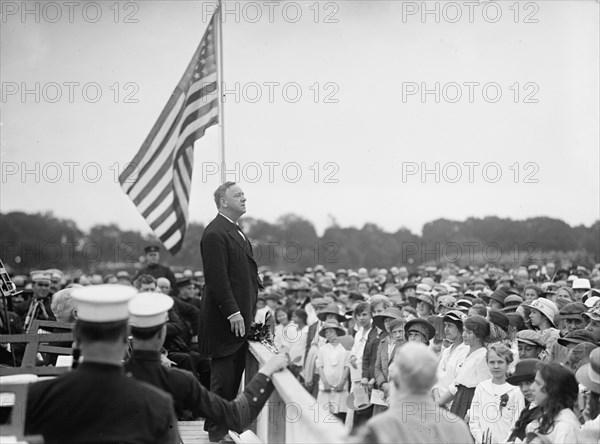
(148, 317)
(231, 292)
(153, 268)
(98, 402)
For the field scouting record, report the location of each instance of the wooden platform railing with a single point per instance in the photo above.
(291, 415)
(52, 342)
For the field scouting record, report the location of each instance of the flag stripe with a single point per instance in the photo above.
(161, 211)
(174, 242)
(171, 127)
(148, 148)
(152, 205)
(159, 178)
(161, 189)
(159, 168)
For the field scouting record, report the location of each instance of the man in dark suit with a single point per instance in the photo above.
(231, 292)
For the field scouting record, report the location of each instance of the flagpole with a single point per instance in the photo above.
(219, 35)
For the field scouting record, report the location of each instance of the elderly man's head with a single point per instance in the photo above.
(164, 285)
(414, 370)
(63, 305)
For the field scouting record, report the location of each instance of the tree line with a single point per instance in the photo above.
(42, 240)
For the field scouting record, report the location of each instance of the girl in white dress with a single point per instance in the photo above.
(333, 363)
(496, 404)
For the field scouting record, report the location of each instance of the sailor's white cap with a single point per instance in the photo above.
(149, 309)
(103, 303)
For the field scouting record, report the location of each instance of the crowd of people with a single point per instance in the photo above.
(514, 352)
(514, 348)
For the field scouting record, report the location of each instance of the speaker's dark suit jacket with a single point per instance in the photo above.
(232, 285)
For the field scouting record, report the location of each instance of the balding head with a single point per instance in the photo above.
(164, 285)
(414, 370)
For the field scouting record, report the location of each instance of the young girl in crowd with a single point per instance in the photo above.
(452, 356)
(496, 404)
(543, 316)
(473, 370)
(282, 319)
(555, 391)
(333, 363)
(523, 377)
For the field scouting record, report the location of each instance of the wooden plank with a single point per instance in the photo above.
(55, 350)
(251, 369)
(276, 426)
(40, 371)
(34, 337)
(192, 432)
(39, 323)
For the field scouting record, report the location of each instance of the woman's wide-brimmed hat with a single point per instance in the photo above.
(389, 313)
(332, 324)
(331, 309)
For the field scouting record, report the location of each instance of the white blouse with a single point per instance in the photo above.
(472, 371)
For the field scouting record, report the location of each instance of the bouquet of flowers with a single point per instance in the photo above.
(263, 333)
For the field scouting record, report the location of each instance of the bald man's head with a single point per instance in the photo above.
(415, 368)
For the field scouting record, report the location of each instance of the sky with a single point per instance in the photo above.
(390, 112)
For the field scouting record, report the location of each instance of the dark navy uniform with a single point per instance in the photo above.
(97, 403)
(189, 394)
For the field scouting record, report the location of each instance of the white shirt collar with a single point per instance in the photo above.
(227, 218)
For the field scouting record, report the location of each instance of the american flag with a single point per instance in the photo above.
(158, 180)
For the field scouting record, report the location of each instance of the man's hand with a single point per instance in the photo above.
(275, 364)
(237, 325)
(166, 362)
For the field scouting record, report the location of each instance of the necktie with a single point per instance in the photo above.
(241, 233)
